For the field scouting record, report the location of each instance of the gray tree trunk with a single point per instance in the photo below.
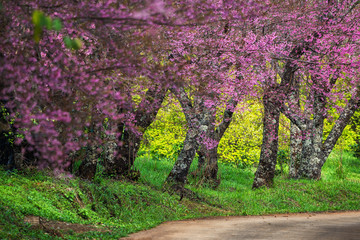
(208, 168)
(198, 122)
(122, 163)
(295, 150)
(266, 170)
(314, 151)
(88, 166)
(179, 172)
(295, 133)
(312, 143)
(201, 121)
(272, 102)
(312, 163)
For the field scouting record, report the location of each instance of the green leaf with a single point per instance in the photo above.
(48, 23)
(42, 20)
(76, 43)
(37, 34)
(36, 17)
(68, 42)
(56, 24)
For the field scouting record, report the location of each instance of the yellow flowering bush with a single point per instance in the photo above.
(241, 143)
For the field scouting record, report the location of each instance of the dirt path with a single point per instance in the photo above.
(318, 226)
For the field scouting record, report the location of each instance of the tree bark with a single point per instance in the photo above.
(312, 143)
(7, 153)
(122, 163)
(179, 172)
(88, 166)
(208, 157)
(198, 122)
(295, 133)
(312, 163)
(314, 151)
(266, 170)
(295, 150)
(272, 102)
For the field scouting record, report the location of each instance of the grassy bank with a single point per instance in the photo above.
(108, 209)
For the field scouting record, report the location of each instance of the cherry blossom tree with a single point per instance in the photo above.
(70, 70)
(322, 42)
(62, 74)
(62, 83)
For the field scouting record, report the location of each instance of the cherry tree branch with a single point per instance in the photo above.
(227, 117)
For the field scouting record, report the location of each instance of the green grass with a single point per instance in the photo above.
(337, 190)
(120, 207)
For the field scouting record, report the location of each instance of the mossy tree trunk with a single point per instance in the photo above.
(130, 140)
(266, 170)
(202, 137)
(198, 122)
(274, 96)
(208, 155)
(128, 144)
(295, 132)
(315, 152)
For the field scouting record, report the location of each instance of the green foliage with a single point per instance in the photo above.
(117, 207)
(40, 21)
(56, 24)
(283, 159)
(6, 125)
(165, 136)
(241, 143)
(356, 149)
(12, 226)
(75, 43)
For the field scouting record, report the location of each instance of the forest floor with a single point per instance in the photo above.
(319, 226)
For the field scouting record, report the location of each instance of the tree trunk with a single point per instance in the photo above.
(88, 166)
(295, 133)
(312, 163)
(198, 121)
(122, 163)
(211, 169)
(201, 160)
(266, 170)
(208, 157)
(312, 143)
(314, 151)
(295, 150)
(7, 153)
(272, 103)
(208, 169)
(179, 172)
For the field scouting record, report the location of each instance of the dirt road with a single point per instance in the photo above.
(318, 226)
